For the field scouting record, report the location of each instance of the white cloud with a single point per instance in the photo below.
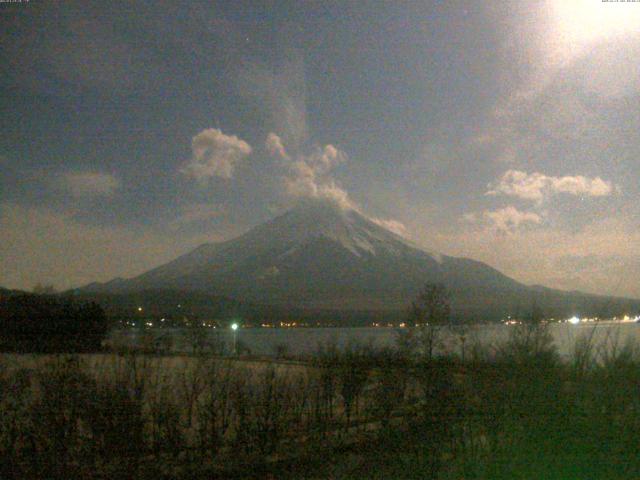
(215, 155)
(309, 176)
(306, 181)
(537, 186)
(509, 219)
(89, 184)
(325, 159)
(579, 185)
(275, 147)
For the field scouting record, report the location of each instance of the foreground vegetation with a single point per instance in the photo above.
(50, 323)
(507, 411)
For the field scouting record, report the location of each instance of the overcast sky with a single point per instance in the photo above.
(503, 131)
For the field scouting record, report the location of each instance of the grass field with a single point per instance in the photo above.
(515, 411)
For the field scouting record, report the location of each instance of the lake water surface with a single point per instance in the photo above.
(303, 341)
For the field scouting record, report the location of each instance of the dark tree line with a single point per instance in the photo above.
(45, 323)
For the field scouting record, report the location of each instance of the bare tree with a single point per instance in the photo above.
(531, 340)
(429, 312)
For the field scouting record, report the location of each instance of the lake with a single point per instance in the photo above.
(303, 341)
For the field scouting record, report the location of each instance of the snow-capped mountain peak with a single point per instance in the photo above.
(348, 228)
(319, 256)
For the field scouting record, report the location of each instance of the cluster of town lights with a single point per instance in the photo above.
(574, 320)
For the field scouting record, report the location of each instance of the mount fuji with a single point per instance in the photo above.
(322, 257)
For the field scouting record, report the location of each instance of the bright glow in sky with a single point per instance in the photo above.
(582, 22)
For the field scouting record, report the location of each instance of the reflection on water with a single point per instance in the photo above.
(301, 341)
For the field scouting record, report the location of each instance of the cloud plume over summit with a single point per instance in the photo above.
(215, 155)
(309, 176)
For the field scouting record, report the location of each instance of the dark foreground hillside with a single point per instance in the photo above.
(514, 411)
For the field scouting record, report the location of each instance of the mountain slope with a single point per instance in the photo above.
(318, 256)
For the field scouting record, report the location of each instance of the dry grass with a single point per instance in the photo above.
(489, 416)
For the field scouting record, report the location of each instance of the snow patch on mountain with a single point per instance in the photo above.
(348, 228)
